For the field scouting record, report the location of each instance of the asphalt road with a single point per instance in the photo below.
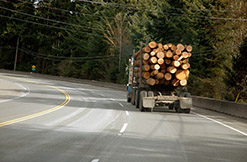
(58, 121)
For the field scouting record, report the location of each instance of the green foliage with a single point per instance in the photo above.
(85, 40)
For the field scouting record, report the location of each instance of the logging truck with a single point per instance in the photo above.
(158, 77)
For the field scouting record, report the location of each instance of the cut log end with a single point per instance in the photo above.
(152, 44)
(150, 81)
(183, 82)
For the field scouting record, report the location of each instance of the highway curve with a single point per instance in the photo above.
(45, 120)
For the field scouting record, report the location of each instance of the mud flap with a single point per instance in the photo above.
(185, 102)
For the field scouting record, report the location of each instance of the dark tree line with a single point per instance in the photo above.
(95, 40)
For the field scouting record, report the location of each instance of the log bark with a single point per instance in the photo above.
(152, 44)
(175, 82)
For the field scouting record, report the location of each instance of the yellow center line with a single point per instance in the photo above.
(65, 102)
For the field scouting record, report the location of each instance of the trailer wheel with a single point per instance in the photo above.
(187, 111)
(137, 96)
(128, 99)
(177, 107)
(132, 97)
(141, 103)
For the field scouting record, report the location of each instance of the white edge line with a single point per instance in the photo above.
(95, 160)
(22, 95)
(124, 128)
(127, 113)
(234, 129)
(120, 104)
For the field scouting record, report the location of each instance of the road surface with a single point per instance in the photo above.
(56, 121)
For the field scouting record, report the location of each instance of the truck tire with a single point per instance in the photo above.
(137, 95)
(187, 111)
(177, 107)
(141, 108)
(184, 94)
(128, 99)
(132, 97)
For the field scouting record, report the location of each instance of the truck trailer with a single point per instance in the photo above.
(160, 85)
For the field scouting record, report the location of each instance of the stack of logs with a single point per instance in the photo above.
(163, 64)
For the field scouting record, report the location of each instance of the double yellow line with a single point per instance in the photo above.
(65, 102)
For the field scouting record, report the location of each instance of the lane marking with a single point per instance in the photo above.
(227, 126)
(61, 105)
(95, 160)
(123, 129)
(120, 104)
(20, 96)
(127, 113)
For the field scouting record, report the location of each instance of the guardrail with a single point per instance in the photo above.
(227, 107)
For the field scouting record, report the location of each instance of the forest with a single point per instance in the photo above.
(94, 39)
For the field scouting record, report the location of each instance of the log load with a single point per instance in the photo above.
(163, 64)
